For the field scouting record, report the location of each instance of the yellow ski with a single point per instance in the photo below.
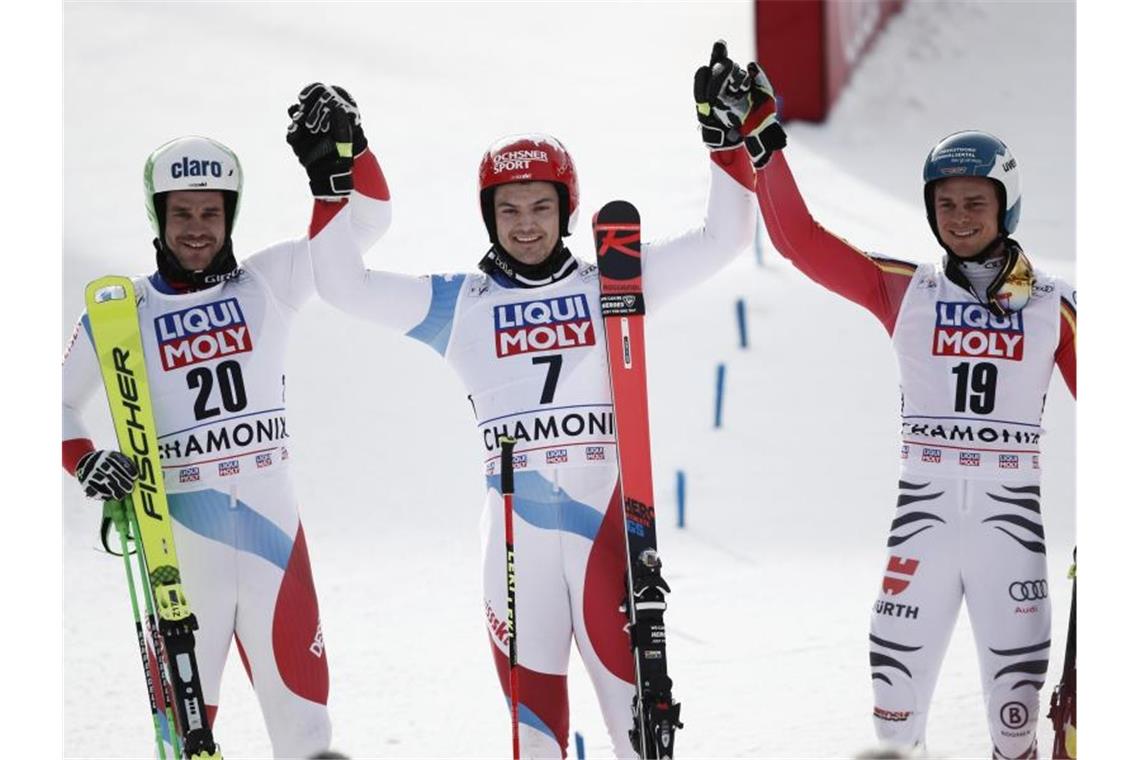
(112, 314)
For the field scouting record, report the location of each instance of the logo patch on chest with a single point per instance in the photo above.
(202, 333)
(543, 325)
(970, 329)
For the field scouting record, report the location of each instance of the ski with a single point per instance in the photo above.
(617, 239)
(1063, 704)
(112, 318)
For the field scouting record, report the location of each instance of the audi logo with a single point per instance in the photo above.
(1028, 591)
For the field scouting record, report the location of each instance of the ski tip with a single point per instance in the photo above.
(109, 288)
(617, 212)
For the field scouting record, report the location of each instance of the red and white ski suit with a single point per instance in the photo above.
(968, 522)
(533, 361)
(216, 368)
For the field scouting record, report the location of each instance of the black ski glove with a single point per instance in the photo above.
(721, 92)
(763, 134)
(106, 474)
(359, 141)
(320, 134)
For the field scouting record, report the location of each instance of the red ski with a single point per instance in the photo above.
(617, 237)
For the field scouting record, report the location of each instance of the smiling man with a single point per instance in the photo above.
(214, 337)
(525, 336)
(977, 337)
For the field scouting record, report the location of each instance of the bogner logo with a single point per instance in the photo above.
(202, 333)
(562, 322)
(970, 329)
(140, 444)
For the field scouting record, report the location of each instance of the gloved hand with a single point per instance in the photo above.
(321, 134)
(106, 474)
(763, 134)
(721, 92)
(359, 141)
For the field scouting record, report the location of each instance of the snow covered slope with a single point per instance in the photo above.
(789, 503)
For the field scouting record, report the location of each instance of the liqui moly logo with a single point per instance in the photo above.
(934, 456)
(969, 459)
(202, 333)
(970, 329)
(1008, 461)
(562, 322)
(557, 456)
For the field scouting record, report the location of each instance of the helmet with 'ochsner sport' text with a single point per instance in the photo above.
(529, 158)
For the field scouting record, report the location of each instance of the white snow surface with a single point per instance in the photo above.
(788, 504)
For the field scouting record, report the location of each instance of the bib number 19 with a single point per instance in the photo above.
(976, 387)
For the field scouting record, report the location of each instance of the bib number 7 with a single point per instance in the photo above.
(555, 367)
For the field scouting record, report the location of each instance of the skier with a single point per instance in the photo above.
(214, 337)
(524, 334)
(977, 338)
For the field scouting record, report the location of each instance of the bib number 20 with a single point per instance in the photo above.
(231, 389)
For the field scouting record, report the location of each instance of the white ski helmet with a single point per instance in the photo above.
(192, 163)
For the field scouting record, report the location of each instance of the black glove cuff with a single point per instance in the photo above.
(761, 146)
(718, 138)
(330, 177)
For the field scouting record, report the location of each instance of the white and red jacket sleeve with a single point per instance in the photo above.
(673, 264)
(80, 381)
(874, 282)
(287, 267)
(340, 235)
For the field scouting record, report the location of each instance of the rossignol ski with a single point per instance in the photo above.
(112, 316)
(617, 238)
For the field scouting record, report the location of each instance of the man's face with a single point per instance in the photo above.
(195, 226)
(966, 213)
(527, 220)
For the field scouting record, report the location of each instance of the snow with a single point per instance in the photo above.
(788, 503)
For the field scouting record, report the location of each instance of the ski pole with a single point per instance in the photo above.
(507, 485)
(115, 511)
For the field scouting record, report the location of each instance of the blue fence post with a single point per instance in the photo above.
(742, 322)
(680, 498)
(719, 394)
(580, 746)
